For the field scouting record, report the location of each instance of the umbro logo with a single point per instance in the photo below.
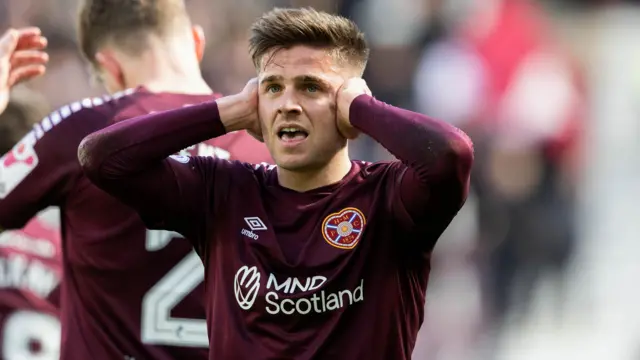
(255, 224)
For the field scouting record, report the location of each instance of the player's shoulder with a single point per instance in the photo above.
(80, 117)
(258, 171)
(222, 163)
(379, 169)
(235, 172)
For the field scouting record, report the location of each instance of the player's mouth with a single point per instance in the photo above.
(292, 135)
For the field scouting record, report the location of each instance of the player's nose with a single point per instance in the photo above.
(290, 107)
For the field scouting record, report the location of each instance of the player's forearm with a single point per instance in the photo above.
(131, 146)
(435, 150)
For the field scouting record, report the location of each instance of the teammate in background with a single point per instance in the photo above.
(30, 257)
(128, 293)
(320, 257)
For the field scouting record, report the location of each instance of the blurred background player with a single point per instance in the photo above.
(30, 260)
(130, 293)
(499, 56)
(30, 257)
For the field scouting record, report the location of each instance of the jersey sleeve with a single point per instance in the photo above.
(424, 209)
(429, 183)
(40, 169)
(132, 161)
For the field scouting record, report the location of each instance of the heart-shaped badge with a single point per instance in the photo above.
(344, 229)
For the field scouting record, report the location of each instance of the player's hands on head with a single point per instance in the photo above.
(351, 89)
(240, 111)
(21, 58)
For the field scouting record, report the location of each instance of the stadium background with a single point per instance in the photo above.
(542, 261)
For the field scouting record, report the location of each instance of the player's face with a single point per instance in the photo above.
(297, 107)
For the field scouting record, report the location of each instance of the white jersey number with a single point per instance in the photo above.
(31, 335)
(158, 326)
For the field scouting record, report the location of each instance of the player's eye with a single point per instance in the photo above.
(273, 88)
(312, 88)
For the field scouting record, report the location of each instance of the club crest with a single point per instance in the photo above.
(344, 229)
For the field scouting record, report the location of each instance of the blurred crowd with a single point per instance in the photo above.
(526, 80)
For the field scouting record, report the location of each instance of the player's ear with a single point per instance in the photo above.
(108, 64)
(199, 41)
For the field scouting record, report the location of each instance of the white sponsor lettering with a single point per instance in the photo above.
(249, 234)
(247, 285)
(291, 285)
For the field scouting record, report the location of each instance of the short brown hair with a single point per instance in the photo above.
(283, 28)
(126, 22)
(24, 110)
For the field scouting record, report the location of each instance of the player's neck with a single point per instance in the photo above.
(307, 180)
(177, 84)
(163, 71)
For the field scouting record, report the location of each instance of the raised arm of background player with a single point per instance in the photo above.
(21, 58)
(130, 160)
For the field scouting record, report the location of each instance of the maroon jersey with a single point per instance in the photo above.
(128, 292)
(30, 273)
(339, 272)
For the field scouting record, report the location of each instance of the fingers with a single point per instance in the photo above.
(21, 50)
(27, 64)
(34, 42)
(252, 85)
(26, 72)
(21, 39)
(355, 84)
(28, 57)
(251, 92)
(28, 31)
(30, 39)
(8, 43)
(24, 38)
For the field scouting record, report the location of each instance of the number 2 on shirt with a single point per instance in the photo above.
(157, 326)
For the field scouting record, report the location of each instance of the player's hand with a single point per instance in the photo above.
(240, 111)
(21, 58)
(351, 89)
